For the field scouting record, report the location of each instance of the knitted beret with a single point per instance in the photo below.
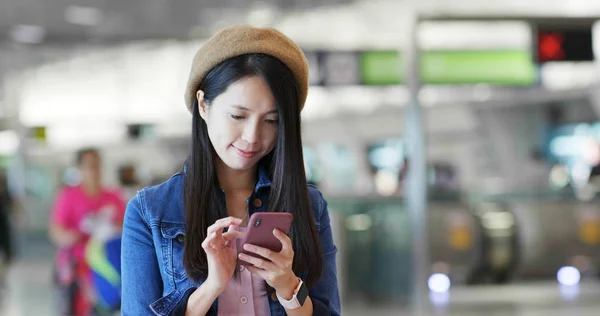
(244, 39)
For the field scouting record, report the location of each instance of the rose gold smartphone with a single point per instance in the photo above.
(260, 232)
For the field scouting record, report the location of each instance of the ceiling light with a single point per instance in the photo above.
(27, 34)
(79, 15)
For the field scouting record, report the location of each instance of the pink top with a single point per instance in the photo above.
(249, 297)
(75, 210)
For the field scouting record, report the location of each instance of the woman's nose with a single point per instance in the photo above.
(251, 133)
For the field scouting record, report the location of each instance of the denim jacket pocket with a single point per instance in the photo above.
(172, 244)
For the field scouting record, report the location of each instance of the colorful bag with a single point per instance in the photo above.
(104, 260)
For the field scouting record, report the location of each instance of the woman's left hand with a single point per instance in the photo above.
(278, 271)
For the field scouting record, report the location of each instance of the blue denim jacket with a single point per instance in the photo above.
(154, 280)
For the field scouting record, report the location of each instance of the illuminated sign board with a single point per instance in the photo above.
(385, 68)
(555, 44)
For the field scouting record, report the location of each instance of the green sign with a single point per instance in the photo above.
(500, 67)
(381, 68)
(504, 67)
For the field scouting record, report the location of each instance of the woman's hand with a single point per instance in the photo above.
(220, 252)
(64, 237)
(278, 271)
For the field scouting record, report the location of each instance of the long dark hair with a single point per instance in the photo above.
(205, 203)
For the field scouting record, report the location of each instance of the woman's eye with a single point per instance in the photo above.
(236, 117)
(273, 122)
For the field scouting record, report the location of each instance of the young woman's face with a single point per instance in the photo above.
(91, 168)
(242, 122)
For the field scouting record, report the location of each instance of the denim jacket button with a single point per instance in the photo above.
(257, 202)
(180, 238)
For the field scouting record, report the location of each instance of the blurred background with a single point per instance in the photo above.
(457, 141)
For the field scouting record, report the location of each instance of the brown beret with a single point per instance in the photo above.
(244, 39)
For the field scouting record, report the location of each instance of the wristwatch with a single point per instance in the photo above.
(300, 295)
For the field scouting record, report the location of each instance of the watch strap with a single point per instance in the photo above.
(297, 301)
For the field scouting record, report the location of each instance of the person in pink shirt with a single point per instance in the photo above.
(74, 217)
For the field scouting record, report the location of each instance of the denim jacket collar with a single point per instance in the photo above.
(263, 179)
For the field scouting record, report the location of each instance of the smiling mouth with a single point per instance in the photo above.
(245, 154)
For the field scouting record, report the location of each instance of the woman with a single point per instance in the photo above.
(75, 219)
(246, 90)
(6, 203)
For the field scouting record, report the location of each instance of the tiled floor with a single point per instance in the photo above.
(26, 291)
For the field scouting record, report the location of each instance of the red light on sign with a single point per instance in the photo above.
(568, 43)
(550, 46)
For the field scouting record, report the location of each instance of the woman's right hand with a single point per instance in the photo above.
(221, 252)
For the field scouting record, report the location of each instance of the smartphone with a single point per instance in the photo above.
(260, 232)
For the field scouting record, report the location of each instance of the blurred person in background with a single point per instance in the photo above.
(6, 206)
(246, 90)
(12, 212)
(6, 250)
(129, 181)
(79, 213)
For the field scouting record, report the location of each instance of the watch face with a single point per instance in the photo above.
(302, 294)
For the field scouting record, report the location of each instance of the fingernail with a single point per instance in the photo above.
(247, 247)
